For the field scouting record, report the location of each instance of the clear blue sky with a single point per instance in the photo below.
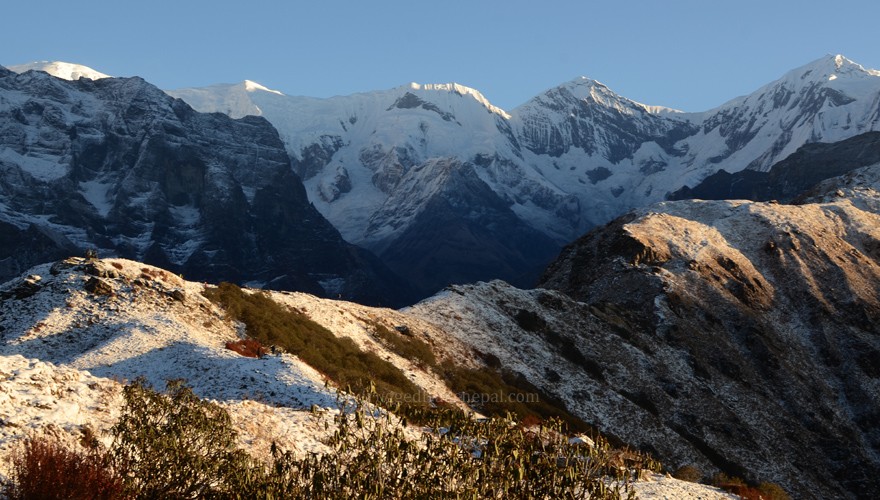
(691, 55)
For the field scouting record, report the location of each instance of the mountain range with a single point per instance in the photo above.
(118, 166)
(567, 160)
(447, 188)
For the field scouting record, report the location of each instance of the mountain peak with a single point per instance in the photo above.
(583, 87)
(251, 86)
(61, 69)
(830, 67)
(462, 90)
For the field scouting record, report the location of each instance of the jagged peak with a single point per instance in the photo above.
(583, 87)
(61, 69)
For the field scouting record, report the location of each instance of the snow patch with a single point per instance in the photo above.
(98, 194)
(44, 169)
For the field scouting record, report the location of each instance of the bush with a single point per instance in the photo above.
(737, 486)
(772, 491)
(46, 469)
(688, 473)
(498, 394)
(458, 457)
(176, 446)
(405, 346)
(249, 348)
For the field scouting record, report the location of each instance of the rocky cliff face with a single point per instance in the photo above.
(450, 227)
(118, 165)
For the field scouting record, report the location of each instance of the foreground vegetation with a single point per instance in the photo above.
(178, 446)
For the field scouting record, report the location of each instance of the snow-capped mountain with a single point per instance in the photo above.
(569, 159)
(118, 165)
(368, 160)
(60, 69)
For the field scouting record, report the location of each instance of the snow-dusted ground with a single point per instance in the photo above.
(99, 341)
(65, 352)
(660, 487)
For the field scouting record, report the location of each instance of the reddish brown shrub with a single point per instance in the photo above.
(46, 469)
(248, 347)
(531, 421)
(117, 265)
(743, 491)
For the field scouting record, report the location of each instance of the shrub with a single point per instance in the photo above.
(737, 486)
(499, 394)
(249, 348)
(458, 457)
(772, 491)
(176, 446)
(405, 346)
(46, 469)
(688, 473)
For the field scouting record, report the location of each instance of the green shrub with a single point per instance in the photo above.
(498, 394)
(176, 446)
(405, 346)
(46, 469)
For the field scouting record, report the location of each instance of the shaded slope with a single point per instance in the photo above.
(118, 165)
(785, 180)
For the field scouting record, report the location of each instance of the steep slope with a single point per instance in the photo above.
(728, 336)
(758, 322)
(827, 100)
(627, 155)
(573, 157)
(120, 320)
(118, 165)
(450, 227)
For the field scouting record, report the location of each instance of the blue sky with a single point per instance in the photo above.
(691, 55)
